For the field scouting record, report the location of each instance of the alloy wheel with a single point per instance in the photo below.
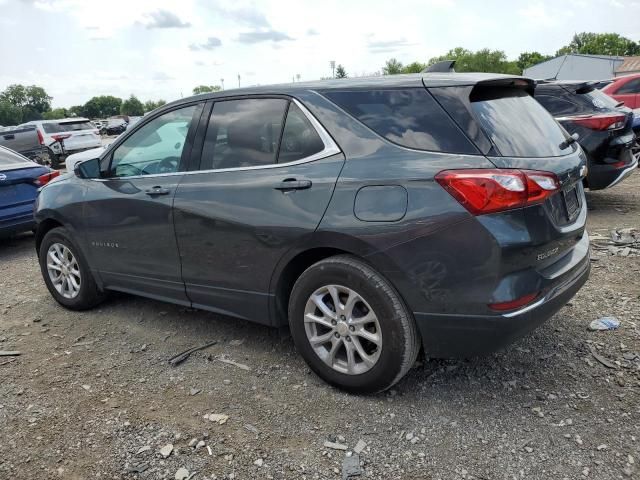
(343, 329)
(64, 271)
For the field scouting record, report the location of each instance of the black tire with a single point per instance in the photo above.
(400, 340)
(89, 295)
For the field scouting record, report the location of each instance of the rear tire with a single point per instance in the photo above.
(364, 345)
(66, 272)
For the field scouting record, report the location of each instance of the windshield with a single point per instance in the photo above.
(517, 124)
(601, 100)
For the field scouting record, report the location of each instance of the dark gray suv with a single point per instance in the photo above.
(375, 216)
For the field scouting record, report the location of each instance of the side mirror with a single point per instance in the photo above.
(87, 168)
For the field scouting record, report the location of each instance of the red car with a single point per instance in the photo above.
(625, 89)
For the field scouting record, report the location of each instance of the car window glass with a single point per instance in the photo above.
(299, 138)
(409, 117)
(557, 106)
(154, 148)
(243, 133)
(631, 87)
(517, 124)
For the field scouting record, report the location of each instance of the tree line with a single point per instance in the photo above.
(19, 103)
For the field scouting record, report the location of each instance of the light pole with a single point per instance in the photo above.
(298, 76)
(333, 68)
(222, 82)
(238, 80)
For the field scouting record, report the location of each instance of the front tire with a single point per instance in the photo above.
(351, 326)
(66, 272)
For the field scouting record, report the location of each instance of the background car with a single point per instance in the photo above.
(20, 179)
(603, 126)
(625, 89)
(66, 136)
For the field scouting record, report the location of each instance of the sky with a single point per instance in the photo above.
(77, 49)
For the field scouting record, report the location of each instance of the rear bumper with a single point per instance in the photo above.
(603, 176)
(465, 336)
(18, 225)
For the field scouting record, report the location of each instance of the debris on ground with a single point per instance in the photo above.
(217, 417)
(335, 445)
(241, 366)
(181, 357)
(360, 446)
(182, 474)
(351, 466)
(9, 353)
(166, 450)
(603, 360)
(604, 323)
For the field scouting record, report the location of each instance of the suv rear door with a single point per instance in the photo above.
(265, 173)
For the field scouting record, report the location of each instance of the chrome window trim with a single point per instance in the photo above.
(330, 149)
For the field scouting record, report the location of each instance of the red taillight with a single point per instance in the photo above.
(600, 122)
(46, 178)
(40, 137)
(513, 304)
(485, 191)
(60, 136)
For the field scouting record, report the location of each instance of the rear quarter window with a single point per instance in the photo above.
(409, 117)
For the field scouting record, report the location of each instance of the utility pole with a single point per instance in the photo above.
(238, 80)
(222, 82)
(333, 68)
(298, 76)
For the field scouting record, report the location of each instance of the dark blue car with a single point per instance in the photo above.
(20, 179)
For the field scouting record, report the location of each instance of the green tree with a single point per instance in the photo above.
(132, 106)
(206, 89)
(151, 105)
(102, 106)
(415, 67)
(76, 111)
(341, 72)
(600, 44)
(56, 114)
(485, 60)
(529, 59)
(392, 67)
(32, 101)
(9, 113)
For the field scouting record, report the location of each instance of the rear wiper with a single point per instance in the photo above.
(569, 141)
(619, 104)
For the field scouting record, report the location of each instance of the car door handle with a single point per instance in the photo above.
(291, 184)
(153, 191)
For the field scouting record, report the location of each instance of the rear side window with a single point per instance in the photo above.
(599, 100)
(409, 117)
(243, 133)
(516, 123)
(632, 86)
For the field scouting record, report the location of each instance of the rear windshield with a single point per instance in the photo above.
(67, 127)
(600, 100)
(517, 124)
(409, 117)
(11, 159)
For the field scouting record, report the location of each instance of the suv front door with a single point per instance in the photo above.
(128, 217)
(266, 175)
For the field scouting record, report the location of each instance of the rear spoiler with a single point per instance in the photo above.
(446, 66)
(578, 87)
(523, 83)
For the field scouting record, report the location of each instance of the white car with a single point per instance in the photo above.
(74, 159)
(72, 134)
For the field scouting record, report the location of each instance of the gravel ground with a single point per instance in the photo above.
(93, 396)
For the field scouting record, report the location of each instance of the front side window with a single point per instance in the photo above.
(299, 138)
(154, 148)
(243, 133)
(409, 117)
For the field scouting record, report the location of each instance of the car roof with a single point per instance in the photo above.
(383, 81)
(59, 120)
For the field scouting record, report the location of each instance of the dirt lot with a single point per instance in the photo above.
(92, 395)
